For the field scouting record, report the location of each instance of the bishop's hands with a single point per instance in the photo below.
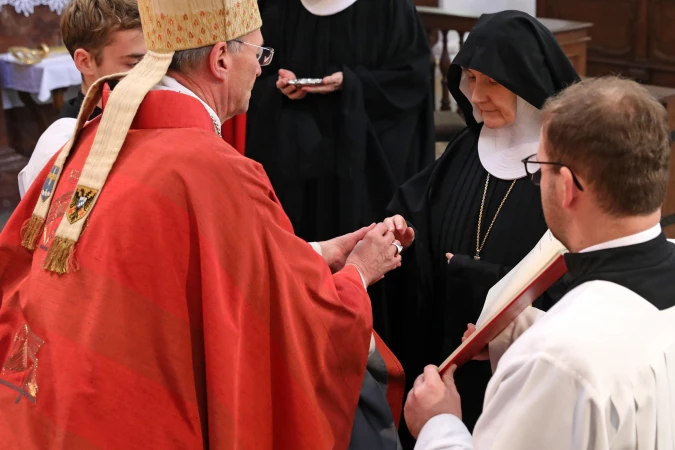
(377, 254)
(403, 233)
(431, 396)
(336, 251)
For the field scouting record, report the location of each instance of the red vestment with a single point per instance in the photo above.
(234, 132)
(196, 317)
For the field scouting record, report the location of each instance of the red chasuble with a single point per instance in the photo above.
(195, 319)
(234, 132)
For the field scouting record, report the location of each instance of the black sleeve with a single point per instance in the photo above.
(474, 279)
(405, 63)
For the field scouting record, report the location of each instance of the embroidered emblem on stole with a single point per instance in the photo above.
(81, 203)
(19, 372)
(50, 183)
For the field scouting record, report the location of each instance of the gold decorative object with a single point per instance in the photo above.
(30, 56)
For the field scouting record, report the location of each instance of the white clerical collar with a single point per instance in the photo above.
(326, 7)
(171, 84)
(639, 238)
(502, 150)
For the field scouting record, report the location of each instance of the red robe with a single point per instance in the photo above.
(196, 318)
(234, 132)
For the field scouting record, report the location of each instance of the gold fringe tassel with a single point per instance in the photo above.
(60, 256)
(30, 232)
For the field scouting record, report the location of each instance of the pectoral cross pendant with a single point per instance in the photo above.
(477, 258)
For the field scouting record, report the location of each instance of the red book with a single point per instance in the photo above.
(538, 271)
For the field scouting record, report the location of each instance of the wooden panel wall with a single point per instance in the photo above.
(434, 3)
(635, 38)
(16, 29)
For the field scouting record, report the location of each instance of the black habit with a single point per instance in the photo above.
(430, 301)
(336, 160)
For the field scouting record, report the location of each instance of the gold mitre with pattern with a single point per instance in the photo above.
(172, 25)
(169, 26)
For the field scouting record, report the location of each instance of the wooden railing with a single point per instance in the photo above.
(435, 20)
(572, 36)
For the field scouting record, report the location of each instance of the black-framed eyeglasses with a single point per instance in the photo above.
(533, 169)
(264, 54)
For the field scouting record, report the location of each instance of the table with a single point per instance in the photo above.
(38, 83)
(55, 72)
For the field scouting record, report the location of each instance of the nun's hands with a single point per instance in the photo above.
(289, 90)
(403, 233)
(330, 84)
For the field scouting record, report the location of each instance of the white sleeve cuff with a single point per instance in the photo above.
(444, 432)
(373, 345)
(363, 280)
(22, 183)
(317, 247)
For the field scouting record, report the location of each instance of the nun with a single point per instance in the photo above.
(336, 152)
(474, 212)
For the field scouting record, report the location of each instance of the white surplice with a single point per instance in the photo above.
(51, 141)
(595, 372)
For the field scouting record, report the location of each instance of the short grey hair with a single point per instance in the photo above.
(187, 60)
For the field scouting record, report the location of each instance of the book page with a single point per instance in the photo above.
(528, 269)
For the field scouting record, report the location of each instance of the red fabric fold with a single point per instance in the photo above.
(196, 318)
(395, 379)
(234, 132)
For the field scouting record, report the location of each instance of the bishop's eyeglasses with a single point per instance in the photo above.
(264, 54)
(533, 169)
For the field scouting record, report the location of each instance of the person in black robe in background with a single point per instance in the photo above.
(448, 271)
(336, 154)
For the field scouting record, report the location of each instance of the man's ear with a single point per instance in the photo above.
(219, 61)
(570, 191)
(85, 62)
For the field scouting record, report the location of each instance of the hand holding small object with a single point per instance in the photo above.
(289, 90)
(403, 233)
(330, 84)
(376, 255)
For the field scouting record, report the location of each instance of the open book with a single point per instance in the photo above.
(538, 271)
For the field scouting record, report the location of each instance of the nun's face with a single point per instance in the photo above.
(496, 104)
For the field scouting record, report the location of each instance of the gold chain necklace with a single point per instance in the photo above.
(479, 245)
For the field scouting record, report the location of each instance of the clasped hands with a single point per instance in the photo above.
(371, 249)
(330, 84)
